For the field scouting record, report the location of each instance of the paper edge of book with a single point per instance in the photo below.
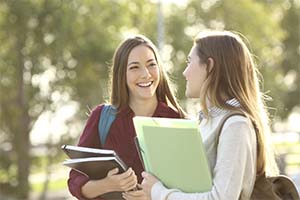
(87, 149)
(68, 162)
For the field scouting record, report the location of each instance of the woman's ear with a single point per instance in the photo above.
(210, 64)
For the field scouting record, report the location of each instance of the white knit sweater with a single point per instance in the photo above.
(233, 168)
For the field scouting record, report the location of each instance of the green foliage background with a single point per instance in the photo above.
(56, 51)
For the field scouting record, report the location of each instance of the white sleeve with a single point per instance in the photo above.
(235, 149)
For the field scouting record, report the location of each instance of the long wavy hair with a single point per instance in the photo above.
(235, 75)
(119, 90)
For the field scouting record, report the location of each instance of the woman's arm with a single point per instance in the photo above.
(88, 138)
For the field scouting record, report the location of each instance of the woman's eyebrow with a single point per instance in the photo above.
(150, 60)
(133, 63)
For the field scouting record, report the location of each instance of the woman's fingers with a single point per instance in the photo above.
(135, 195)
(130, 182)
(126, 181)
(126, 174)
(131, 185)
(113, 172)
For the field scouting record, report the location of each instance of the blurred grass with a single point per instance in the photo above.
(54, 185)
(287, 147)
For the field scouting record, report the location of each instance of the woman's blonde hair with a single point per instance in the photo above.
(234, 75)
(119, 90)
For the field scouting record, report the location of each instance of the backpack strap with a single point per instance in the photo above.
(107, 116)
(223, 120)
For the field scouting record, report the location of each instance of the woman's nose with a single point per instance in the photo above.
(184, 72)
(145, 72)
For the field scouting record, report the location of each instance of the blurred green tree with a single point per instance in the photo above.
(53, 51)
(288, 91)
(272, 30)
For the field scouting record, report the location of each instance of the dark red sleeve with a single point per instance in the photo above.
(89, 138)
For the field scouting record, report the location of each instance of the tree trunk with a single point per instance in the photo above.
(22, 142)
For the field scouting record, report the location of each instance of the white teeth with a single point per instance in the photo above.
(145, 84)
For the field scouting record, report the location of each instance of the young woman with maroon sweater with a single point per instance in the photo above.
(139, 88)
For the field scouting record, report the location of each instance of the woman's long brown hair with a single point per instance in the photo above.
(234, 75)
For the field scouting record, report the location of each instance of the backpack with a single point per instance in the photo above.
(279, 187)
(107, 117)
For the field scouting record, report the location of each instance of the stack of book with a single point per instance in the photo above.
(94, 163)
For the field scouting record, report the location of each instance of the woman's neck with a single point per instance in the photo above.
(209, 104)
(144, 108)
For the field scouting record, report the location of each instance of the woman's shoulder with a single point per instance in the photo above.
(237, 130)
(237, 124)
(229, 119)
(96, 110)
(237, 119)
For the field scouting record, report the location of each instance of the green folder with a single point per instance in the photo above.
(173, 151)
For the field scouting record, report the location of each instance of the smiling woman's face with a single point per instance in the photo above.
(142, 75)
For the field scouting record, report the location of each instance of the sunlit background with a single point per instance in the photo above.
(55, 57)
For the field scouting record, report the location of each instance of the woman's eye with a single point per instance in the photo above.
(133, 67)
(152, 64)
